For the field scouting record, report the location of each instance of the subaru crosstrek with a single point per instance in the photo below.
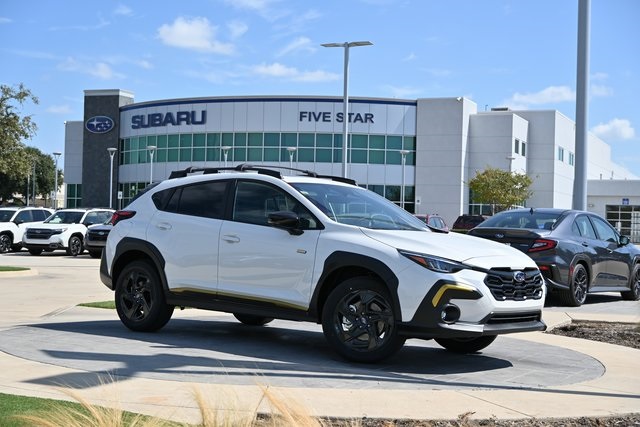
(65, 229)
(252, 242)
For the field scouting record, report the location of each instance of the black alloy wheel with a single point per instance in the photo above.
(466, 345)
(75, 246)
(634, 285)
(251, 320)
(140, 300)
(578, 288)
(359, 322)
(5, 243)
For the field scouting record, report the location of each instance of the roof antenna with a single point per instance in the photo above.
(531, 211)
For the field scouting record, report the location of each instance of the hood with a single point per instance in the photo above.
(470, 250)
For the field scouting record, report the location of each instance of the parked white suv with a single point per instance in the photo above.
(13, 222)
(65, 229)
(251, 242)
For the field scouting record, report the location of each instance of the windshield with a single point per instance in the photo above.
(65, 217)
(523, 219)
(358, 206)
(6, 214)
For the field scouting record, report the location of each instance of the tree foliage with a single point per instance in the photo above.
(45, 178)
(14, 128)
(500, 188)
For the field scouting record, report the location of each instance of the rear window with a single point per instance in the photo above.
(524, 219)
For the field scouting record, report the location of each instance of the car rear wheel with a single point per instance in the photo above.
(75, 246)
(5, 243)
(634, 285)
(140, 300)
(466, 345)
(251, 320)
(359, 322)
(577, 292)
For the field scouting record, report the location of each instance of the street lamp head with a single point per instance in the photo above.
(57, 153)
(151, 148)
(291, 149)
(404, 152)
(112, 150)
(347, 44)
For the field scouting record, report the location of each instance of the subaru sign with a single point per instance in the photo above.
(100, 124)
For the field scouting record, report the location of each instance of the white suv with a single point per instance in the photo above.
(13, 222)
(251, 242)
(65, 229)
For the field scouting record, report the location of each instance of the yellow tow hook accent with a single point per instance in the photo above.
(450, 287)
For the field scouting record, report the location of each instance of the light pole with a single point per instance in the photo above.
(112, 152)
(225, 152)
(291, 151)
(403, 153)
(34, 183)
(511, 158)
(152, 149)
(54, 205)
(345, 106)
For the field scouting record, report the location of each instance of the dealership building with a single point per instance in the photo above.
(431, 147)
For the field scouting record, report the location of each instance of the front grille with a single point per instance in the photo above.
(502, 318)
(97, 236)
(39, 233)
(504, 286)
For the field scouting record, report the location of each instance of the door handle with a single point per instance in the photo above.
(163, 226)
(231, 238)
(585, 244)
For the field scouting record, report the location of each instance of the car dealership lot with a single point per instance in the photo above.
(47, 342)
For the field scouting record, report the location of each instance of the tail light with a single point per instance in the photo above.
(542, 245)
(121, 216)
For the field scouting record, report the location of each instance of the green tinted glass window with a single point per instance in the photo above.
(376, 141)
(255, 140)
(71, 190)
(213, 154)
(394, 143)
(337, 140)
(227, 140)
(376, 157)
(254, 154)
(409, 143)
(306, 140)
(271, 154)
(379, 189)
(134, 143)
(359, 141)
(239, 154)
(162, 141)
(199, 140)
(186, 140)
(174, 141)
(324, 140)
(359, 156)
(305, 154)
(337, 155)
(272, 140)
(185, 154)
(172, 155)
(126, 145)
(411, 159)
(323, 155)
(198, 154)
(152, 140)
(127, 158)
(161, 155)
(142, 142)
(289, 139)
(392, 192)
(213, 140)
(394, 157)
(240, 139)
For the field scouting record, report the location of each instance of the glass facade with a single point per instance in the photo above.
(625, 219)
(74, 195)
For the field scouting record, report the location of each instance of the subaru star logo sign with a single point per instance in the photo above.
(518, 276)
(99, 124)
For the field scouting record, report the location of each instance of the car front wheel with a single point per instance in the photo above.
(577, 292)
(466, 345)
(139, 298)
(359, 322)
(5, 243)
(634, 285)
(75, 246)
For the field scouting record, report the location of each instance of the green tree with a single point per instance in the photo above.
(44, 166)
(14, 128)
(499, 188)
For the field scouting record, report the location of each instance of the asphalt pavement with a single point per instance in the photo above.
(49, 345)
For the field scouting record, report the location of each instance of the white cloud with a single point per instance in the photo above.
(614, 129)
(100, 70)
(301, 43)
(59, 109)
(549, 95)
(410, 57)
(601, 90)
(123, 10)
(237, 29)
(4, 20)
(194, 34)
(291, 73)
(402, 91)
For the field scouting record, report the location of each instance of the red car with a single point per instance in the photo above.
(434, 220)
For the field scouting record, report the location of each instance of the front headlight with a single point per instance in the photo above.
(434, 263)
(58, 231)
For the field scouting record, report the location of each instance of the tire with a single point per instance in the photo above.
(466, 345)
(634, 285)
(94, 253)
(5, 243)
(359, 322)
(140, 299)
(35, 252)
(75, 246)
(251, 320)
(578, 288)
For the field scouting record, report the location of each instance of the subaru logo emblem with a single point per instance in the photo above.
(499, 235)
(101, 233)
(99, 124)
(519, 276)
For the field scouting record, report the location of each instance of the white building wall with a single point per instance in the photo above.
(492, 142)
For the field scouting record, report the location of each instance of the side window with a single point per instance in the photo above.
(582, 227)
(605, 231)
(40, 215)
(254, 202)
(24, 216)
(104, 216)
(205, 199)
(92, 218)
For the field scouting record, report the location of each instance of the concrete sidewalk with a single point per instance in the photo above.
(42, 320)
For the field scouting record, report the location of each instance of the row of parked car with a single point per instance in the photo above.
(44, 230)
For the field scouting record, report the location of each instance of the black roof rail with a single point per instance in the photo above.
(261, 169)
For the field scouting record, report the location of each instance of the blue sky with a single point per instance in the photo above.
(518, 53)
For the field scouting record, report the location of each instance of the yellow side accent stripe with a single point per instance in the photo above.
(445, 288)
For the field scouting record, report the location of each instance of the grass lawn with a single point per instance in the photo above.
(9, 268)
(111, 305)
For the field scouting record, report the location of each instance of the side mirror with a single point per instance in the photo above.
(624, 240)
(285, 220)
